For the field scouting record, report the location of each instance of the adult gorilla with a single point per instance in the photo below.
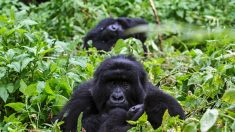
(118, 92)
(109, 30)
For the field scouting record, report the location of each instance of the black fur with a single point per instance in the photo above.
(109, 30)
(118, 92)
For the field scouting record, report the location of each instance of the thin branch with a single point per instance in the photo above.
(157, 20)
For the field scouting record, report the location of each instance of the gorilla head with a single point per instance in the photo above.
(118, 92)
(109, 30)
(121, 80)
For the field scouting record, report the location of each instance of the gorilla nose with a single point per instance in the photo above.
(117, 98)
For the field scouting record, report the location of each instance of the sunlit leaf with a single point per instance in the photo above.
(3, 93)
(208, 119)
(18, 106)
(15, 66)
(191, 127)
(229, 96)
(2, 72)
(28, 22)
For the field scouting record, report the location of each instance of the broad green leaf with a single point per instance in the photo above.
(132, 122)
(208, 119)
(31, 49)
(232, 107)
(143, 118)
(180, 13)
(3, 93)
(208, 77)
(119, 46)
(23, 86)
(18, 106)
(2, 72)
(3, 19)
(165, 118)
(25, 62)
(191, 127)
(229, 96)
(10, 87)
(15, 66)
(74, 76)
(10, 53)
(40, 87)
(195, 79)
(233, 126)
(60, 100)
(31, 90)
(29, 36)
(81, 61)
(28, 22)
(48, 89)
(3, 29)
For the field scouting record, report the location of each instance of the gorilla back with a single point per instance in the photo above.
(118, 92)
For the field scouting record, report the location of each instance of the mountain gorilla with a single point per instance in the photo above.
(109, 30)
(118, 92)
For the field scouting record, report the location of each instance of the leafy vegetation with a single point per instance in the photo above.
(41, 59)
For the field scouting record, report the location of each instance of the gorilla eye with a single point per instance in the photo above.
(112, 82)
(126, 85)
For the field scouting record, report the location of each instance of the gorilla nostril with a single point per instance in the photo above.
(120, 99)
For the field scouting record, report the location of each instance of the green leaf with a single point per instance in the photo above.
(208, 119)
(229, 96)
(41, 85)
(2, 72)
(232, 108)
(191, 127)
(81, 61)
(31, 49)
(180, 13)
(196, 78)
(233, 126)
(25, 62)
(120, 46)
(30, 90)
(10, 87)
(60, 100)
(16, 106)
(15, 66)
(165, 118)
(48, 89)
(28, 22)
(132, 122)
(143, 118)
(3, 93)
(23, 86)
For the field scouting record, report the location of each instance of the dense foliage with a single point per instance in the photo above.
(41, 59)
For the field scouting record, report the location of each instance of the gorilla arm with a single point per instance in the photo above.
(157, 102)
(80, 101)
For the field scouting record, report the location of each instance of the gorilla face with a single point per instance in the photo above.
(118, 94)
(109, 30)
(118, 81)
(114, 30)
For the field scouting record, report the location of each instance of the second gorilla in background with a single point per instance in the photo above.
(109, 30)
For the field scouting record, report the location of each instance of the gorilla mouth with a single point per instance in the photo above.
(123, 105)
